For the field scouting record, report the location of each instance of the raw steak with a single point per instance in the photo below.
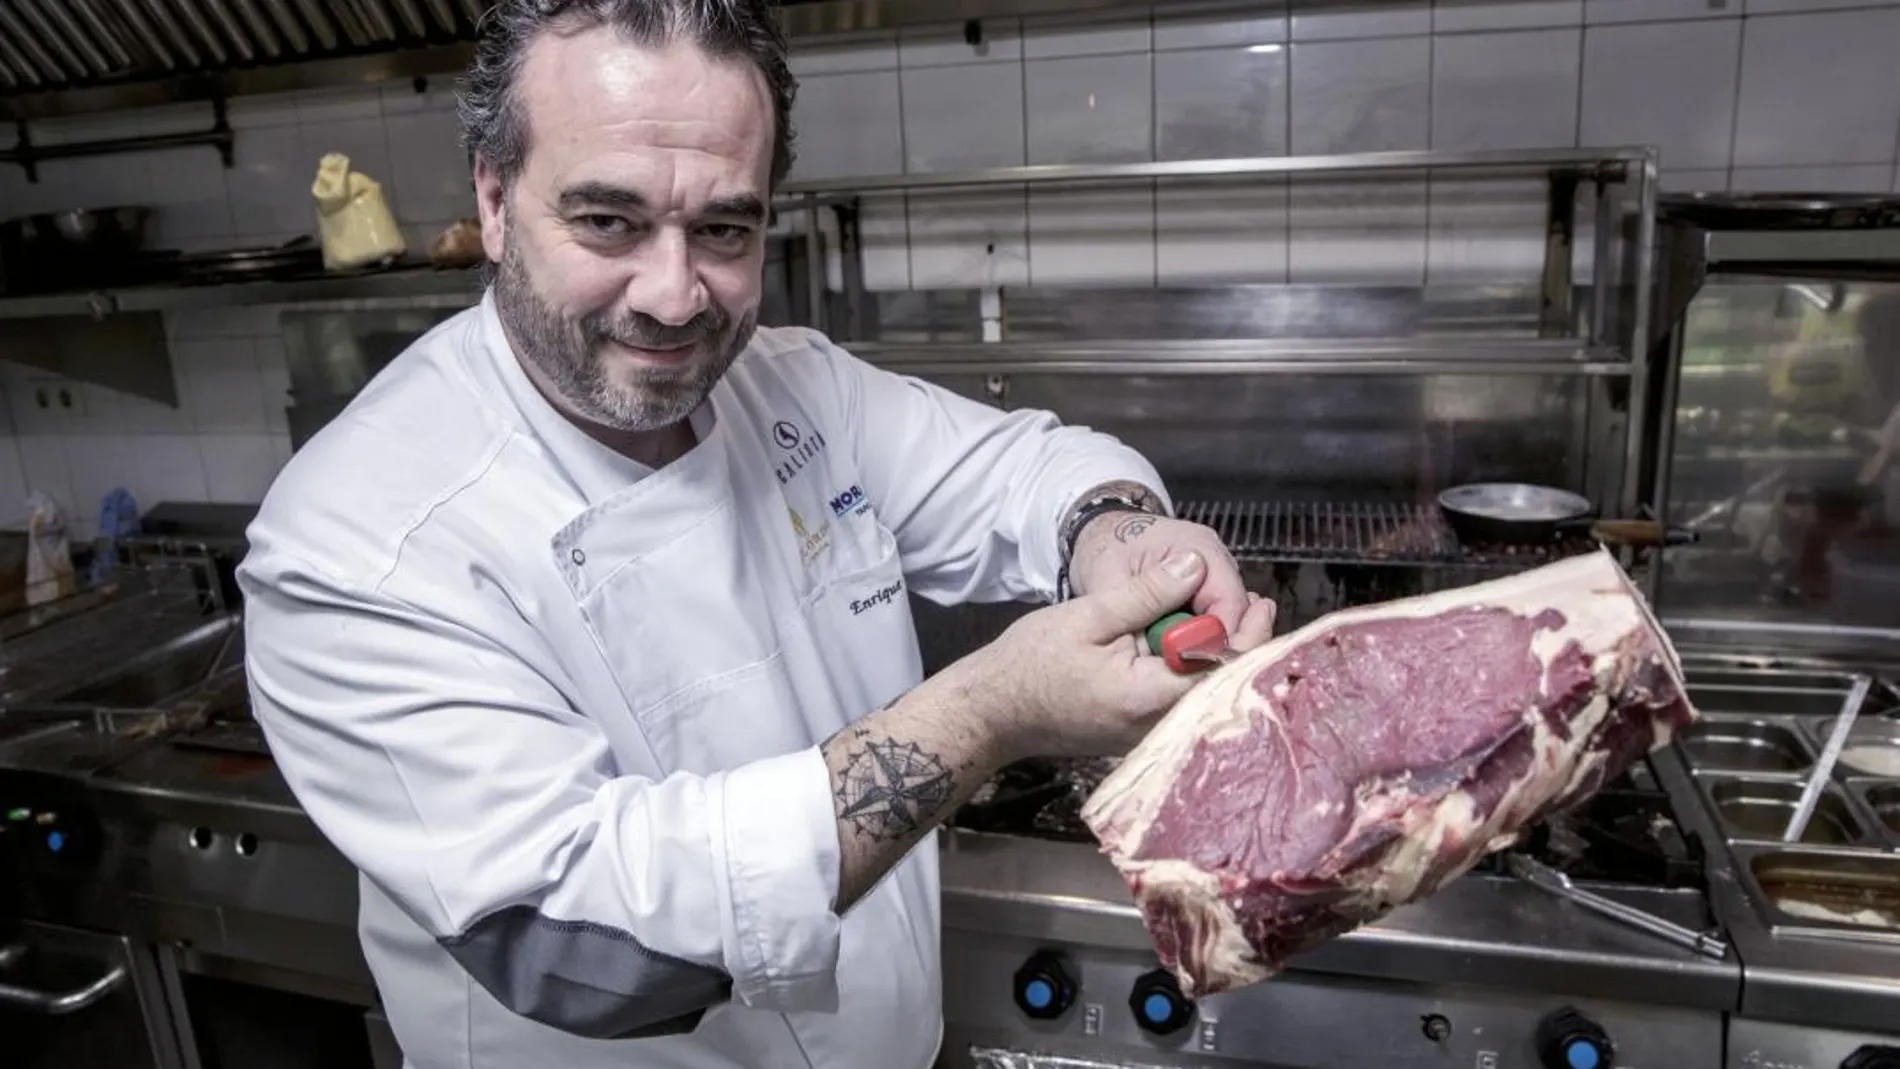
(1317, 782)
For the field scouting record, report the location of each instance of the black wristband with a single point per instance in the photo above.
(1096, 507)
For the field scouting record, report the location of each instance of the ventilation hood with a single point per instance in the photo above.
(69, 56)
(64, 43)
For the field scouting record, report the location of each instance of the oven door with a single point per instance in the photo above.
(70, 998)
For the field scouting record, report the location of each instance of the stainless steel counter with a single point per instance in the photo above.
(1811, 993)
(204, 851)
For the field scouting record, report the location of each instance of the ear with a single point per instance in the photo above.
(490, 204)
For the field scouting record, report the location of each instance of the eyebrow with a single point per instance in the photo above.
(743, 206)
(600, 194)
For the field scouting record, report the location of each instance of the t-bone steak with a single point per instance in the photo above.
(1361, 762)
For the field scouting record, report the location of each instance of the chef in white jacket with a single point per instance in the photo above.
(583, 632)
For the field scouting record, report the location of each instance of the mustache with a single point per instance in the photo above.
(641, 331)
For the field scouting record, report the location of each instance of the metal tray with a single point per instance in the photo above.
(1872, 750)
(1800, 696)
(1883, 801)
(1848, 883)
(1749, 745)
(1751, 809)
(1749, 771)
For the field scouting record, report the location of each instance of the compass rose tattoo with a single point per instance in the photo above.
(889, 789)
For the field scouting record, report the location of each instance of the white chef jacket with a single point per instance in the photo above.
(564, 711)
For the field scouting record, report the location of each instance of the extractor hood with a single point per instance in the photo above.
(70, 56)
(66, 44)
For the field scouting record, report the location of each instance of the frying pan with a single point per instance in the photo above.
(1520, 514)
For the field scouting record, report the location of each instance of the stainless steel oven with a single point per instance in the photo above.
(72, 998)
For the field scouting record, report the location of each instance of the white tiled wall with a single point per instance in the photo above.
(228, 437)
(224, 442)
(1736, 94)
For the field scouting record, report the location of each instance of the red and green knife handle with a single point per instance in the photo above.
(1185, 641)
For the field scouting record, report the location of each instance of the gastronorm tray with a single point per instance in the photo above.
(1872, 750)
(1749, 753)
(1756, 809)
(1750, 768)
(1822, 891)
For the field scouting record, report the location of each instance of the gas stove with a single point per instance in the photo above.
(1047, 964)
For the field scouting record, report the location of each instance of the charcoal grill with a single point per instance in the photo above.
(1358, 533)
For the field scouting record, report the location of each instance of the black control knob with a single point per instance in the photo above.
(1568, 1040)
(1872, 1057)
(1158, 1004)
(1044, 987)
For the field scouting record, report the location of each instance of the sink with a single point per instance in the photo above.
(152, 676)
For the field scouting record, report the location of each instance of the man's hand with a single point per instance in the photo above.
(1117, 546)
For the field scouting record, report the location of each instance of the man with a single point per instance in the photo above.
(583, 632)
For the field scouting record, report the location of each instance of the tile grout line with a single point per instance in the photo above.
(903, 197)
(1029, 245)
(1154, 156)
(903, 166)
(1431, 132)
(1583, 58)
(1285, 184)
(1735, 112)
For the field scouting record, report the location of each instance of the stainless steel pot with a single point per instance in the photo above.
(71, 248)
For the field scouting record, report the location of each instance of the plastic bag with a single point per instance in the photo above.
(353, 220)
(49, 556)
(118, 518)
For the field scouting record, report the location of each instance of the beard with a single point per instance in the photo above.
(568, 352)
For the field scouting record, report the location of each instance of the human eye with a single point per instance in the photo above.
(603, 226)
(729, 238)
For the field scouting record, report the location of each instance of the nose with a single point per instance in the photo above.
(666, 283)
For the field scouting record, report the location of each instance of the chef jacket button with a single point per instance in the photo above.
(578, 556)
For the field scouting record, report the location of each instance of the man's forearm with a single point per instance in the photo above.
(904, 769)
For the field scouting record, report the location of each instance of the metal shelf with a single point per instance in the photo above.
(402, 283)
(1294, 356)
(1620, 164)
(1740, 252)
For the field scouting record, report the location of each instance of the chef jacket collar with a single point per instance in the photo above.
(597, 471)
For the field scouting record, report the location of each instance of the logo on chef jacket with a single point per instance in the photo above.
(880, 596)
(810, 542)
(851, 500)
(799, 448)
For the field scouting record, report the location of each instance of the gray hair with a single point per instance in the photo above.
(493, 125)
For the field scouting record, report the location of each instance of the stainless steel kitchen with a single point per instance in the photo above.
(1416, 304)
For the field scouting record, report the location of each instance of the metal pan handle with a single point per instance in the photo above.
(63, 1002)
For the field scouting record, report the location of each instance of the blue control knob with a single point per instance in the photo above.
(1158, 1004)
(56, 841)
(1568, 1040)
(1044, 988)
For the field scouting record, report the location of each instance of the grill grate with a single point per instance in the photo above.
(1358, 533)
